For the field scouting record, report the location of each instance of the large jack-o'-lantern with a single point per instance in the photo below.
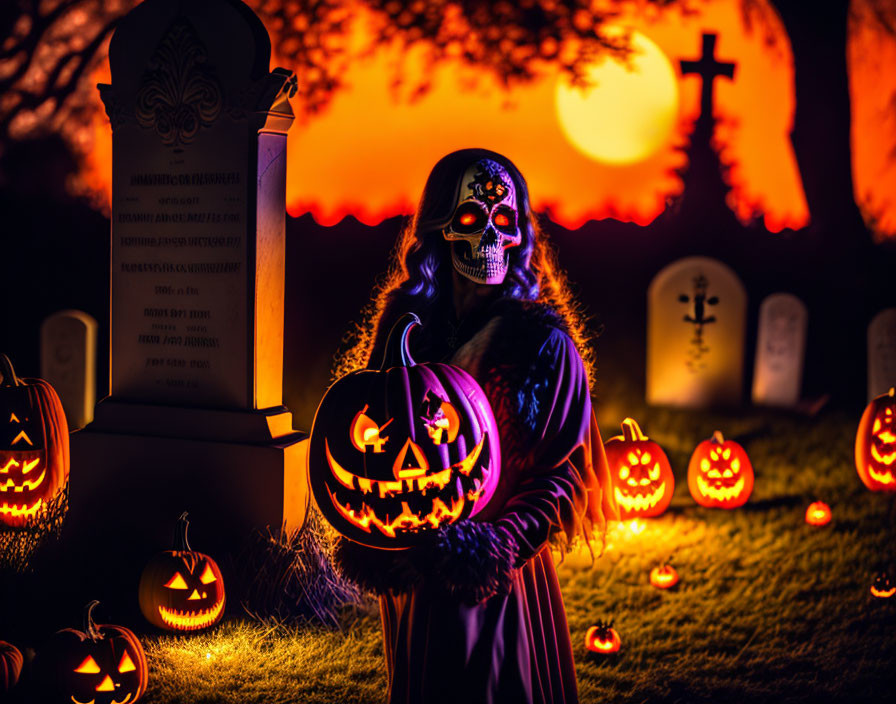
(720, 474)
(34, 453)
(402, 450)
(103, 664)
(642, 478)
(181, 589)
(876, 443)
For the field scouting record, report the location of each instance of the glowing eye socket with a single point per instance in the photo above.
(704, 464)
(645, 458)
(624, 472)
(501, 220)
(176, 582)
(364, 432)
(654, 473)
(727, 453)
(22, 436)
(876, 425)
(632, 458)
(714, 454)
(126, 664)
(504, 219)
(735, 464)
(446, 422)
(469, 217)
(88, 667)
(207, 575)
(13, 418)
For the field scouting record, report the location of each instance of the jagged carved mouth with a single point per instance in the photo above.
(114, 701)
(884, 476)
(409, 505)
(640, 502)
(887, 457)
(191, 620)
(720, 491)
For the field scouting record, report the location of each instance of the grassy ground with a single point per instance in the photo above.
(768, 608)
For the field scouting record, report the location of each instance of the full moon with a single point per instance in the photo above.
(627, 113)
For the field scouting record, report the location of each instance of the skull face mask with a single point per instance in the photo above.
(485, 223)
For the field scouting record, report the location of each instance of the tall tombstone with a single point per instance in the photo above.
(696, 319)
(195, 419)
(68, 362)
(780, 350)
(882, 353)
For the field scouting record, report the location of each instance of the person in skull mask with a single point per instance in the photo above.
(476, 615)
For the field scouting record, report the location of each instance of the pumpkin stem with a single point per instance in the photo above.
(9, 374)
(90, 628)
(718, 437)
(181, 544)
(631, 432)
(892, 391)
(398, 351)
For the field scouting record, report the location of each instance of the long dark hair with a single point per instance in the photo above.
(419, 275)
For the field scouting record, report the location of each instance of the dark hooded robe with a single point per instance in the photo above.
(476, 615)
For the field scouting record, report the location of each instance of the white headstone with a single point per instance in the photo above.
(68, 362)
(696, 316)
(882, 353)
(780, 350)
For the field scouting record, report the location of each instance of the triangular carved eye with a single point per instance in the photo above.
(22, 436)
(126, 664)
(13, 418)
(88, 667)
(176, 582)
(207, 575)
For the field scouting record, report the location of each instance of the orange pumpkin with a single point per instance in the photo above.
(181, 589)
(876, 443)
(720, 474)
(603, 639)
(882, 587)
(663, 577)
(34, 455)
(642, 478)
(818, 514)
(10, 666)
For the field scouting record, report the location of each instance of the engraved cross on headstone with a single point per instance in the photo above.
(708, 68)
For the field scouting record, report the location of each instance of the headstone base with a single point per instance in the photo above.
(235, 473)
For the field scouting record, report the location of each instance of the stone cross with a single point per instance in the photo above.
(708, 68)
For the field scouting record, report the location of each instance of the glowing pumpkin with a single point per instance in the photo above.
(181, 589)
(882, 587)
(102, 664)
(818, 514)
(642, 478)
(402, 450)
(603, 639)
(720, 474)
(10, 666)
(663, 577)
(34, 457)
(876, 444)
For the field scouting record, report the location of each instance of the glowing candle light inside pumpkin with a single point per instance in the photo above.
(882, 587)
(818, 513)
(663, 577)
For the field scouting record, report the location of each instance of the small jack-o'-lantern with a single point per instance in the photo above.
(882, 587)
(642, 478)
(34, 457)
(663, 577)
(720, 474)
(818, 514)
(10, 666)
(876, 443)
(102, 664)
(181, 589)
(603, 638)
(402, 450)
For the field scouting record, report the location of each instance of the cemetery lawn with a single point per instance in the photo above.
(769, 609)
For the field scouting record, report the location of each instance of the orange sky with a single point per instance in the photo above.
(369, 153)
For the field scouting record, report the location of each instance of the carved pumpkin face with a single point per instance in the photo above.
(883, 588)
(181, 589)
(402, 450)
(876, 444)
(663, 577)
(643, 482)
(102, 664)
(34, 453)
(720, 474)
(10, 666)
(603, 639)
(818, 514)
